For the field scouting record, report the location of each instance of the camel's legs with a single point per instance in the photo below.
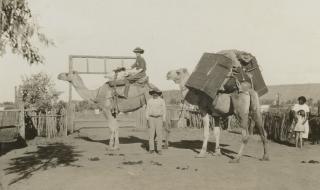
(258, 122)
(111, 140)
(245, 137)
(216, 132)
(167, 133)
(255, 110)
(114, 136)
(206, 135)
(241, 103)
(116, 139)
(113, 126)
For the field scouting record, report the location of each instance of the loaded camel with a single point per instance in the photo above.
(104, 98)
(243, 105)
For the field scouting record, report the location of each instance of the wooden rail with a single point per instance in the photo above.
(49, 125)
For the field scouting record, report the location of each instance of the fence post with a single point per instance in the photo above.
(65, 121)
(70, 104)
(22, 127)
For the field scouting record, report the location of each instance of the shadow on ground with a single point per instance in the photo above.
(6, 147)
(183, 144)
(122, 140)
(197, 144)
(46, 157)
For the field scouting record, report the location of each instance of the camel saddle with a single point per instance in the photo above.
(122, 82)
(137, 95)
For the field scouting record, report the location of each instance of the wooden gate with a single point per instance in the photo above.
(11, 125)
(105, 67)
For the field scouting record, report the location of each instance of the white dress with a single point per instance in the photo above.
(306, 109)
(299, 127)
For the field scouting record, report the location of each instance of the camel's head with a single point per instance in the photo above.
(177, 75)
(67, 76)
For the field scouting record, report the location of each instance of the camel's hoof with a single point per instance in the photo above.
(265, 158)
(112, 149)
(235, 161)
(216, 154)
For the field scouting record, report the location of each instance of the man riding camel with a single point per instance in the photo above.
(135, 73)
(138, 69)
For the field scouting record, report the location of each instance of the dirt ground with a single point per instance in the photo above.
(81, 162)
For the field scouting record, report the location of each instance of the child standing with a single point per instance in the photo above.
(299, 126)
(156, 117)
(301, 105)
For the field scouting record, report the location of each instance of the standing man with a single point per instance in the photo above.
(303, 106)
(156, 118)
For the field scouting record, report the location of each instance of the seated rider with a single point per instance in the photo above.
(133, 74)
(138, 69)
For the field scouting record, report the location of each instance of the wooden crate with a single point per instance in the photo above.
(210, 73)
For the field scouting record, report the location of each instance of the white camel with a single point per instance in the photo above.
(242, 104)
(104, 98)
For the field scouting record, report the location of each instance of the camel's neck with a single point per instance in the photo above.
(82, 90)
(183, 88)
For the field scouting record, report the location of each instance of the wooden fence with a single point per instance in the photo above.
(48, 125)
(18, 122)
(278, 126)
(11, 125)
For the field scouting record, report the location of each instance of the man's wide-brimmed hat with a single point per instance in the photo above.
(155, 91)
(138, 50)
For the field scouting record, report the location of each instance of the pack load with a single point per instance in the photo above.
(213, 72)
(209, 74)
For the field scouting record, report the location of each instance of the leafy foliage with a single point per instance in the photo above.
(38, 92)
(59, 106)
(18, 30)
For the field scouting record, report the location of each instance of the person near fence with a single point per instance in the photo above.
(156, 118)
(301, 105)
(299, 127)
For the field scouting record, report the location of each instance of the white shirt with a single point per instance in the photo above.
(156, 107)
(303, 107)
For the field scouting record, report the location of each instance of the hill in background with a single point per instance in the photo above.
(288, 92)
(293, 91)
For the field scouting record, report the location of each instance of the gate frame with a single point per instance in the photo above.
(70, 106)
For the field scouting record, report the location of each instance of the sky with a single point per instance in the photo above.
(284, 35)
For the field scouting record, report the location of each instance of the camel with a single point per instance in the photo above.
(243, 105)
(103, 97)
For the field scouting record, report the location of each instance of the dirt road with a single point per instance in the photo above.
(81, 162)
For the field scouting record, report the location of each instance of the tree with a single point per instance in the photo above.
(19, 30)
(38, 92)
